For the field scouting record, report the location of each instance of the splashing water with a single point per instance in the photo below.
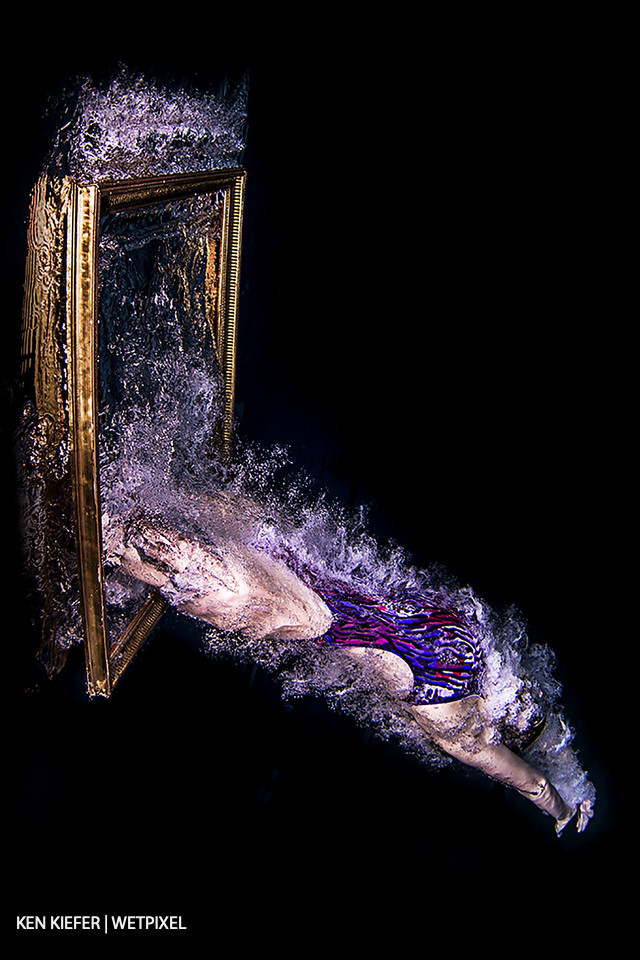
(160, 407)
(149, 469)
(128, 126)
(133, 126)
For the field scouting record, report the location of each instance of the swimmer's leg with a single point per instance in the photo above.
(463, 730)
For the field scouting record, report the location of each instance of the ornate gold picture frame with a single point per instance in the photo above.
(61, 353)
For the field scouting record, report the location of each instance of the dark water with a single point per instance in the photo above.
(475, 444)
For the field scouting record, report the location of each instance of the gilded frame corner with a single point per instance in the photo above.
(77, 223)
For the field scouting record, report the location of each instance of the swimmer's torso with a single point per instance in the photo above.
(236, 587)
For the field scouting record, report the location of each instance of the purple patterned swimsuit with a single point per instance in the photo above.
(442, 651)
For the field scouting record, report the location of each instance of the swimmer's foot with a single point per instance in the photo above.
(563, 821)
(584, 812)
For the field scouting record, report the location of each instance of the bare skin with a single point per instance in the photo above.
(464, 730)
(238, 588)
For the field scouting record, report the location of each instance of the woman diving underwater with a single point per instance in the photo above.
(426, 649)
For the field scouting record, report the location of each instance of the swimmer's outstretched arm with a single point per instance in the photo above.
(239, 588)
(234, 586)
(463, 731)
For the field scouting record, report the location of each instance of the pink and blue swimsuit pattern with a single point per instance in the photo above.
(443, 652)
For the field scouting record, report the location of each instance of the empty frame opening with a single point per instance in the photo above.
(133, 356)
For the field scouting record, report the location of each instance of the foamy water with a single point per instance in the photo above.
(160, 401)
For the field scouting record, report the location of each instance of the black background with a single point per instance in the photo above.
(424, 321)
